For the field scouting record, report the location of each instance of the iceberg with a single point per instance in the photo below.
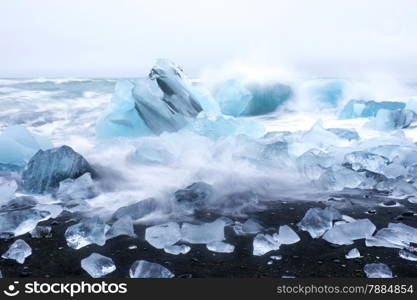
(146, 269)
(18, 251)
(177, 249)
(238, 99)
(18, 145)
(220, 247)
(392, 119)
(264, 243)
(317, 221)
(46, 169)
(97, 265)
(164, 235)
(353, 253)
(365, 109)
(76, 189)
(345, 234)
(287, 236)
(204, 233)
(8, 188)
(377, 270)
(20, 221)
(137, 210)
(123, 226)
(86, 232)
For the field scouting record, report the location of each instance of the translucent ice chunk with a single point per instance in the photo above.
(313, 163)
(339, 178)
(41, 232)
(86, 232)
(47, 169)
(76, 189)
(250, 226)
(164, 235)
(18, 251)
(18, 145)
(392, 119)
(397, 235)
(177, 249)
(121, 117)
(361, 160)
(145, 269)
(7, 189)
(353, 253)
(407, 255)
(220, 247)
(264, 243)
(345, 234)
(377, 270)
(123, 226)
(365, 109)
(317, 221)
(97, 265)
(137, 210)
(18, 222)
(287, 236)
(204, 233)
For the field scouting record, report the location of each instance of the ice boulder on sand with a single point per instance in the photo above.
(18, 145)
(86, 232)
(204, 233)
(317, 221)
(46, 169)
(146, 269)
(97, 265)
(18, 251)
(377, 270)
(164, 235)
(345, 234)
(396, 235)
(264, 243)
(250, 99)
(365, 109)
(287, 236)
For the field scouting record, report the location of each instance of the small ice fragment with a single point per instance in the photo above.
(397, 235)
(250, 226)
(407, 255)
(366, 109)
(98, 265)
(220, 247)
(132, 247)
(123, 226)
(345, 234)
(161, 236)
(204, 233)
(145, 269)
(18, 251)
(41, 232)
(86, 232)
(377, 270)
(354, 253)
(317, 221)
(287, 236)
(264, 243)
(177, 249)
(276, 257)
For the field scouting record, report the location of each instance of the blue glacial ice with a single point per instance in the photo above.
(122, 226)
(365, 109)
(392, 119)
(345, 234)
(163, 235)
(18, 145)
(251, 99)
(317, 221)
(20, 221)
(324, 92)
(46, 169)
(86, 232)
(97, 265)
(18, 251)
(204, 233)
(377, 270)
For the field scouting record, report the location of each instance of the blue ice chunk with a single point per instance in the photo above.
(365, 109)
(346, 134)
(86, 232)
(137, 210)
(226, 126)
(18, 145)
(47, 169)
(238, 99)
(392, 119)
(121, 118)
(327, 92)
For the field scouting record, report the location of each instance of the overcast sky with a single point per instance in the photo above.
(124, 37)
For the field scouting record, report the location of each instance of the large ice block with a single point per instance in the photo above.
(137, 210)
(204, 233)
(317, 221)
(365, 109)
(345, 234)
(18, 251)
(392, 119)
(20, 221)
(362, 160)
(18, 145)
(46, 169)
(123, 226)
(8, 188)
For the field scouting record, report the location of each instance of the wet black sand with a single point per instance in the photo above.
(52, 257)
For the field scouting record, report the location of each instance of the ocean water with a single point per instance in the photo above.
(66, 110)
